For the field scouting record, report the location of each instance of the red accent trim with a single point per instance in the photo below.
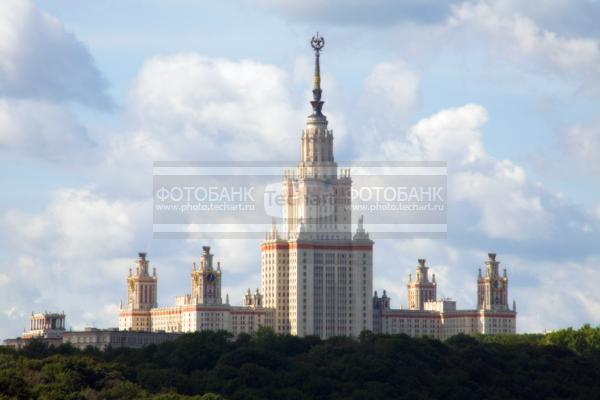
(133, 313)
(313, 246)
(396, 314)
(170, 312)
(458, 314)
(193, 308)
(200, 308)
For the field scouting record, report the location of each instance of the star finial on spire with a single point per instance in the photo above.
(317, 42)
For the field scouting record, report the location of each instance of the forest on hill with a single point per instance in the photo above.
(213, 365)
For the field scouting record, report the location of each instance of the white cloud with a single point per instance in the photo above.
(209, 108)
(13, 312)
(570, 17)
(43, 130)
(583, 142)
(556, 36)
(507, 208)
(501, 203)
(556, 294)
(41, 66)
(521, 41)
(451, 135)
(73, 255)
(188, 107)
(391, 92)
(43, 282)
(78, 223)
(573, 17)
(39, 59)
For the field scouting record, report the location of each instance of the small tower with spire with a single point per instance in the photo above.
(141, 286)
(421, 289)
(492, 288)
(141, 297)
(206, 281)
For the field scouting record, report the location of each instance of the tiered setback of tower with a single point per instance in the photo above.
(316, 274)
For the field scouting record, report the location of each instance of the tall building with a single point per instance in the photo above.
(316, 274)
(426, 315)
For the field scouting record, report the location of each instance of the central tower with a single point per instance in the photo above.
(316, 275)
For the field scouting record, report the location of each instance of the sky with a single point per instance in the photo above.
(92, 92)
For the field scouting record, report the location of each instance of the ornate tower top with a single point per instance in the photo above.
(142, 265)
(421, 290)
(317, 43)
(492, 265)
(141, 286)
(492, 288)
(206, 281)
(206, 259)
(422, 272)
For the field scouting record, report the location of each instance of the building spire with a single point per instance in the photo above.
(317, 44)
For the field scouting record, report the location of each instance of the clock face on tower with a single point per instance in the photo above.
(210, 277)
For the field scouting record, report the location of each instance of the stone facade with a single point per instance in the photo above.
(202, 309)
(104, 338)
(426, 315)
(49, 328)
(45, 325)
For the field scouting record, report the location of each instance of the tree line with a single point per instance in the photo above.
(215, 366)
